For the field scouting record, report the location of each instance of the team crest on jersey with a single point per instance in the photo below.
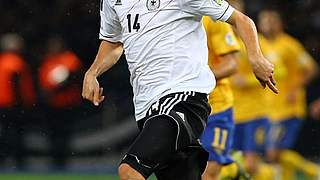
(230, 40)
(118, 3)
(153, 5)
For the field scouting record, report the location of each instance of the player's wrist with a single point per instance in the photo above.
(255, 58)
(92, 73)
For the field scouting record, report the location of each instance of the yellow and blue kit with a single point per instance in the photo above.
(252, 102)
(217, 137)
(285, 114)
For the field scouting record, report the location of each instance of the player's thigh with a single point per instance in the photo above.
(254, 135)
(238, 137)
(244, 137)
(188, 164)
(154, 146)
(262, 134)
(289, 130)
(190, 161)
(218, 136)
(168, 129)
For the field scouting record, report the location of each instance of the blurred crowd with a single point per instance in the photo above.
(45, 46)
(58, 97)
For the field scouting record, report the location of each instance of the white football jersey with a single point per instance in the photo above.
(165, 44)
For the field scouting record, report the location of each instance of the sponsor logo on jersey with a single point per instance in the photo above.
(153, 5)
(118, 3)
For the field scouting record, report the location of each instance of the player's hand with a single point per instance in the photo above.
(263, 70)
(91, 89)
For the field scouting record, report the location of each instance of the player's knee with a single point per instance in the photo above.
(251, 168)
(251, 162)
(126, 172)
(273, 156)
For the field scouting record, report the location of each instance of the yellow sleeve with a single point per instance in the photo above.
(304, 59)
(299, 55)
(221, 38)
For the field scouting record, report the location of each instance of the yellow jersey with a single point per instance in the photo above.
(296, 59)
(221, 40)
(251, 100)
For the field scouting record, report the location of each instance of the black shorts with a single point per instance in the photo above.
(168, 143)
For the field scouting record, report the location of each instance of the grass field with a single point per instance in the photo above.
(56, 177)
(49, 176)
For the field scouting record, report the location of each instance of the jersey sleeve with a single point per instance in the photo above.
(110, 27)
(304, 59)
(298, 55)
(215, 9)
(220, 37)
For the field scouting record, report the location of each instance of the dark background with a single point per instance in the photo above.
(77, 22)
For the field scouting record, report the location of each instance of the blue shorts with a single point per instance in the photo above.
(284, 133)
(217, 137)
(252, 136)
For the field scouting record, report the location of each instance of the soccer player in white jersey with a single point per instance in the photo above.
(166, 51)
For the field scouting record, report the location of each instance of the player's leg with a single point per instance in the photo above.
(254, 143)
(127, 172)
(212, 171)
(167, 132)
(291, 160)
(273, 150)
(284, 136)
(264, 172)
(280, 142)
(190, 162)
(235, 170)
(232, 171)
(245, 142)
(260, 134)
(262, 138)
(217, 140)
(239, 143)
(154, 146)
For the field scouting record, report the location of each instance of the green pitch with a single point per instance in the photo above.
(33, 176)
(57, 177)
(54, 177)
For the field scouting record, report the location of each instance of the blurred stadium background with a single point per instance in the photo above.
(50, 131)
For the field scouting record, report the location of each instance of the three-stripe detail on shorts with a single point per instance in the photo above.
(169, 103)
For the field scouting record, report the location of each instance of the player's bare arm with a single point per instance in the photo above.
(227, 67)
(310, 71)
(247, 31)
(109, 53)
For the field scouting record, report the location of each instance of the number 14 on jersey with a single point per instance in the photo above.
(136, 24)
